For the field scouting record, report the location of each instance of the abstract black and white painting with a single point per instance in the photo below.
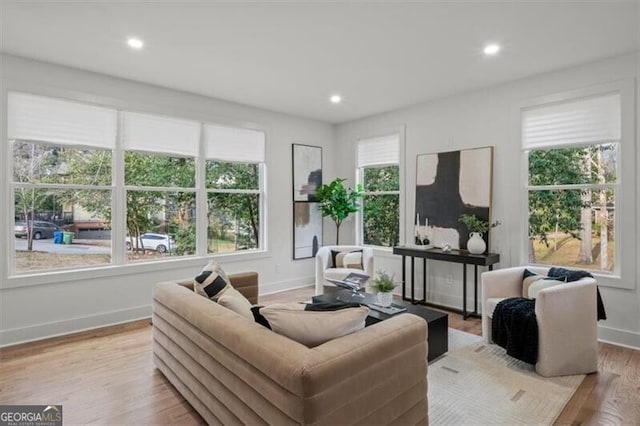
(307, 171)
(307, 230)
(449, 184)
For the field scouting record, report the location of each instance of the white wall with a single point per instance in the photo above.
(491, 117)
(51, 304)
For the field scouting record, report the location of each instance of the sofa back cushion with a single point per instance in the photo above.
(312, 328)
(346, 259)
(532, 284)
(234, 300)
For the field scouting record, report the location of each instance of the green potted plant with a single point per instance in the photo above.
(338, 202)
(477, 227)
(383, 286)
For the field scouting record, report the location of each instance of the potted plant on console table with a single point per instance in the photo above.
(477, 227)
(383, 286)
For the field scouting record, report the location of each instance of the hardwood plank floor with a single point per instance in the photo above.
(107, 376)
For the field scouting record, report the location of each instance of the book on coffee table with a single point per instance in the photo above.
(354, 281)
(389, 310)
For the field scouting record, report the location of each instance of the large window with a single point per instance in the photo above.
(61, 182)
(572, 150)
(235, 184)
(160, 181)
(379, 173)
(94, 186)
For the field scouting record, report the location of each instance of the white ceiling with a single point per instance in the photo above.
(290, 57)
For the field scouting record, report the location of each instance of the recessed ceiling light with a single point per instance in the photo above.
(336, 99)
(135, 43)
(491, 49)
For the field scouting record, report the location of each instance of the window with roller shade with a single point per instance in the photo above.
(235, 188)
(378, 171)
(61, 182)
(573, 157)
(160, 182)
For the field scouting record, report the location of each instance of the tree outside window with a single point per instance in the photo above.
(572, 206)
(381, 206)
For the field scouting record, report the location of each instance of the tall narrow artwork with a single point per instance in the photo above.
(449, 184)
(307, 172)
(307, 230)
(307, 219)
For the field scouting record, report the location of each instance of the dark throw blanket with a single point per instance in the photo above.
(568, 276)
(514, 327)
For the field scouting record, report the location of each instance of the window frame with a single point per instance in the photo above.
(624, 273)
(399, 131)
(260, 191)
(360, 173)
(10, 209)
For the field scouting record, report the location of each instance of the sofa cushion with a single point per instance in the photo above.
(346, 259)
(532, 283)
(212, 281)
(339, 273)
(234, 300)
(312, 328)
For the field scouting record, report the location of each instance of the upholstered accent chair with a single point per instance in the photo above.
(348, 258)
(566, 315)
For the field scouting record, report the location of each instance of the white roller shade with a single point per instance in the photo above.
(152, 133)
(38, 118)
(379, 151)
(234, 144)
(587, 121)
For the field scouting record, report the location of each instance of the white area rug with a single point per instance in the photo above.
(479, 384)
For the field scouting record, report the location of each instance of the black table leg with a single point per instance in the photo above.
(404, 278)
(424, 279)
(464, 291)
(475, 289)
(413, 279)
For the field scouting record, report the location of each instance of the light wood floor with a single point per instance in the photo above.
(107, 377)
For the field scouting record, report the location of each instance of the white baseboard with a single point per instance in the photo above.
(616, 336)
(74, 325)
(279, 286)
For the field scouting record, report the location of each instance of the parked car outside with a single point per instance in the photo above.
(161, 243)
(41, 229)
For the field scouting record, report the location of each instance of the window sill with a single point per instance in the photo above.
(65, 276)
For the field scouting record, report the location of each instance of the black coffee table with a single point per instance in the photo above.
(437, 322)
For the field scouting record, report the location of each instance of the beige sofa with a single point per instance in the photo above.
(235, 371)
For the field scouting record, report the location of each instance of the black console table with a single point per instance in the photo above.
(457, 256)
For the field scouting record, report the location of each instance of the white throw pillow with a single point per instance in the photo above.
(538, 285)
(234, 300)
(212, 281)
(313, 328)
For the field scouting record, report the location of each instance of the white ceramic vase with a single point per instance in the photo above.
(385, 299)
(476, 244)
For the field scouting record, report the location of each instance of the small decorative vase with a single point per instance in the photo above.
(385, 299)
(476, 244)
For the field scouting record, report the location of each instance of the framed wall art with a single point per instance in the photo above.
(307, 171)
(307, 230)
(449, 184)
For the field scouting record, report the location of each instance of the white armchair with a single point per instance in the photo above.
(324, 265)
(566, 316)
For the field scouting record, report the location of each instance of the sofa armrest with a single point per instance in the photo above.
(247, 284)
(501, 283)
(345, 377)
(567, 328)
